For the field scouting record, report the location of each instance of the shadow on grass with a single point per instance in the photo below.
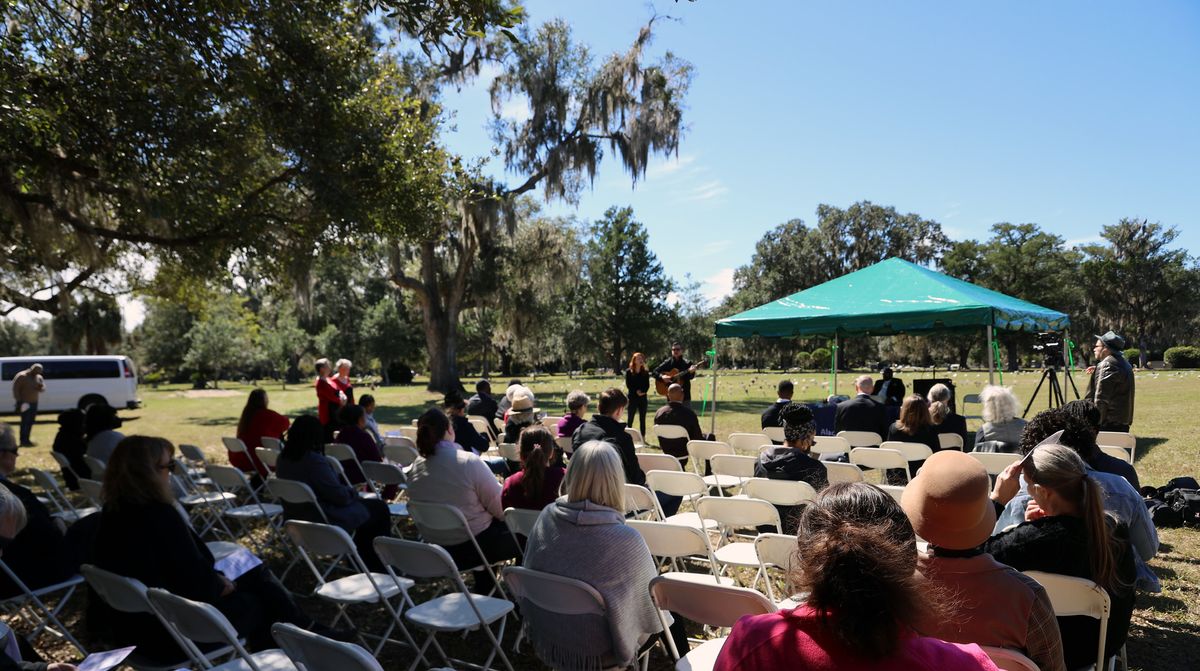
(228, 420)
(1156, 643)
(1146, 445)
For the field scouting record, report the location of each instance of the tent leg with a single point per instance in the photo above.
(712, 419)
(836, 343)
(991, 361)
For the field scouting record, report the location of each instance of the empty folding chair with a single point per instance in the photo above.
(737, 467)
(679, 483)
(445, 525)
(231, 480)
(639, 442)
(343, 452)
(520, 523)
(456, 610)
(268, 456)
(676, 543)
(198, 623)
(30, 606)
(968, 400)
(911, 451)
(383, 476)
(733, 514)
(400, 450)
(1009, 660)
(95, 466)
(776, 551)
(333, 545)
(839, 472)
(64, 509)
(564, 604)
(193, 458)
(299, 502)
(779, 492)
(875, 457)
(950, 441)
(861, 438)
(1071, 596)
(995, 462)
(641, 503)
(657, 461)
(711, 605)
(775, 433)
(1121, 439)
(313, 652)
(700, 451)
(1118, 452)
(748, 442)
(827, 447)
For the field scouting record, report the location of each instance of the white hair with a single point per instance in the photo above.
(999, 404)
(864, 383)
(8, 441)
(577, 399)
(11, 508)
(342, 362)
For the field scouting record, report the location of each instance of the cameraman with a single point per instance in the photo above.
(1111, 384)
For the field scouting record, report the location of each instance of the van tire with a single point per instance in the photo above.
(90, 400)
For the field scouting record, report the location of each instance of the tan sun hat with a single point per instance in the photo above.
(948, 503)
(522, 401)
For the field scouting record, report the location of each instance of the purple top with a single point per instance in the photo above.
(568, 424)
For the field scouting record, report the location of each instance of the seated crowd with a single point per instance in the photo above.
(871, 597)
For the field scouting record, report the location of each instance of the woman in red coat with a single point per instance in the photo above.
(257, 422)
(329, 398)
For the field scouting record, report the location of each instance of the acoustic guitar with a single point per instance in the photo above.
(661, 387)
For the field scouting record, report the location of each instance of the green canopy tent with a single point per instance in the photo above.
(890, 297)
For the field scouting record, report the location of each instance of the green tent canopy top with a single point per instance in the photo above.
(892, 296)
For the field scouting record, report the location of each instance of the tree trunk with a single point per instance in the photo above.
(441, 339)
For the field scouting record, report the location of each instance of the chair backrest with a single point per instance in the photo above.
(194, 620)
(951, 441)
(269, 456)
(192, 453)
(235, 445)
(63, 462)
(995, 462)
(227, 478)
(409, 432)
(671, 541)
(564, 443)
(1009, 660)
(1117, 439)
(775, 433)
(738, 513)
(294, 492)
(736, 465)
(325, 540)
(521, 520)
(830, 445)
(655, 461)
(400, 450)
(92, 489)
(415, 559)
(272, 444)
(486, 422)
(124, 594)
(702, 450)
(1118, 452)
(895, 491)
(707, 603)
(550, 423)
(779, 492)
(748, 442)
(875, 457)
(675, 483)
(50, 485)
(1071, 596)
(383, 474)
(480, 425)
(313, 652)
(911, 451)
(510, 451)
(839, 472)
(861, 438)
(640, 500)
(670, 432)
(554, 593)
(95, 466)
(778, 550)
(444, 519)
(341, 452)
(638, 439)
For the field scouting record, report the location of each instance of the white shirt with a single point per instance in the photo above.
(458, 478)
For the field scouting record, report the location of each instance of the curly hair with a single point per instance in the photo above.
(1077, 434)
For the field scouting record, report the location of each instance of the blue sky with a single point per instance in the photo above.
(1068, 114)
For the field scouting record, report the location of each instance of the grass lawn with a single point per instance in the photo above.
(1166, 627)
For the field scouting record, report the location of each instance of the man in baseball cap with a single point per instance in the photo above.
(1111, 384)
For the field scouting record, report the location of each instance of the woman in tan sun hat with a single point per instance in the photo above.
(949, 506)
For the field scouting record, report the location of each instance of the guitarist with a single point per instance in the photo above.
(677, 370)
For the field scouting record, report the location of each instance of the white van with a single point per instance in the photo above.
(75, 381)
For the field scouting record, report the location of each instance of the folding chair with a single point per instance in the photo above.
(776, 551)
(31, 608)
(700, 451)
(274, 444)
(65, 510)
(491, 430)
(710, 605)
(656, 461)
(233, 481)
(410, 432)
(204, 508)
(877, 457)
(520, 522)
(779, 492)
(1079, 596)
(313, 652)
(1009, 660)
(861, 438)
(362, 586)
(839, 472)
(911, 451)
(400, 450)
(775, 433)
(496, 422)
(1118, 452)
(551, 423)
(968, 400)
(95, 466)
(995, 462)
(448, 526)
(304, 501)
(950, 441)
(1120, 439)
(572, 603)
(382, 476)
(128, 595)
(680, 483)
(64, 464)
(677, 542)
(269, 457)
(510, 451)
(895, 491)
(748, 442)
(733, 514)
(458, 610)
(92, 490)
(641, 503)
(638, 441)
(343, 452)
(481, 427)
(235, 446)
(565, 444)
(195, 623)
(669, 432)
(193, 458)
(737, 467)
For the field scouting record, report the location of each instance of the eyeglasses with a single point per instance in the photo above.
(167, 467)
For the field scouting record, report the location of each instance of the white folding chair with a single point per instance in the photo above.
(1118, 452)
(776, 551)
(1071, 596)
(520, 522)
(232, 480)
(911, 451)
(638, 441)
(31, 608)
(481, 427)
(304, 505)
(736, 468)
(710, 605)
(400, 450)
(487, 425)
(895, 491)
(571, 602)
(861, 438)
(779, 492)
(680, 483)
(641, 503)
(950, 441)
(361, 586)
(510, 451)
(733, 514)
(823, 445)
(456, 611)
(700, 451)
(382, 476)
(195, 622)
(669, 432)
(64, 464)
(234, 446)
(656, 461)
(968, 400)
(775, 433)
(839, 472)
(343, 452)
(268, 456)
(676, 543)
(274, 444)
(566, 445)
(95, 466)
(1121, 439)
(65, 510)
(193, 458)
(877, 457)
(995, 462)
(551, 423)
(313, 652)
(747, 442)
(447, 525)
(1009, 660)
(409, 432)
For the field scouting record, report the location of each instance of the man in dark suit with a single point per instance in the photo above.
(890, 388)
(770, 416)
(862, 413)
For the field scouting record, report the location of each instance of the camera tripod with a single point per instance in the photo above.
(1054, 389)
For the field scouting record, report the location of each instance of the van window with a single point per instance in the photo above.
(70, 369)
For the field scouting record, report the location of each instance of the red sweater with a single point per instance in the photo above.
(264, 423)
(327, 395)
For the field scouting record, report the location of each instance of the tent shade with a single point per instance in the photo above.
(892, 296)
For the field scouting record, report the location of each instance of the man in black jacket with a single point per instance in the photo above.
(484, 405)
(685, 372)
(862, 413)
(891, 388)
(770, 416)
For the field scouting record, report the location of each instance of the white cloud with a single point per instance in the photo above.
(515, 109)
(714, 247)
(717, 286)
(706, 191)
(1084, 241)
(670, 166)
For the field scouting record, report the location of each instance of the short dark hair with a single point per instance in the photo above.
(350, 413)
(675, 345)
(483, 386)
(1084, 409)
(785, 389)
(454, 400)
(1077, 435)
(513, 381)
(365, 400)
(305, 435)
(611, 399)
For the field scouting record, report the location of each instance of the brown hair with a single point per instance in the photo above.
(536, 447)
(257, 400)
(432, 427)
(858, 563)
(611, 399)
(914, 415)
(633, 360)
(131, 476)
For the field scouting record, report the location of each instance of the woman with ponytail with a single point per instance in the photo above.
(535, 486)
(1067, 532)
(857, 560)
(445, 473)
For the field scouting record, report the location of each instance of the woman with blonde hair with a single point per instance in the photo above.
(583, 536)
(1001, 430)
(637, 381)
(941, 412)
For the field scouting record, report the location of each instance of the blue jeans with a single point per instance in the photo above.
(27, 418)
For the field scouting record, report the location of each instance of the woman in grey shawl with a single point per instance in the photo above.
(583, 536)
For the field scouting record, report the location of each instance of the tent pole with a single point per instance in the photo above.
(712, 419)
(833, 366)
(991, 361)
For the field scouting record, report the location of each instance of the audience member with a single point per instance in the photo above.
(889, 389)
(329, 399)
(464, 432)
(637, 381)
(1067, 532)
(39, 554)
(863, 412)
(1001, 430)
(1110, 386)
(677, 413)
(257, 422)
(949, 507)
(342, 381)
(145, 536)
(71, 442)
(303, 459)
(483, 404)
(607, 426)
(535, 486)
(770, 417)
(521, 413)
(446, 474)
(915, 426)
(506, 402)
(1087, 412)
(367, 403)
(102, 423)
(583, 536)
(857, 560)
(793, 460)
(577, 406)
(354, 433)
(941, 413)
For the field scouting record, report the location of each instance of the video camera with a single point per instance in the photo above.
(1051, 347)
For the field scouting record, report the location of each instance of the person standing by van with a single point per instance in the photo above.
(28, 385)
